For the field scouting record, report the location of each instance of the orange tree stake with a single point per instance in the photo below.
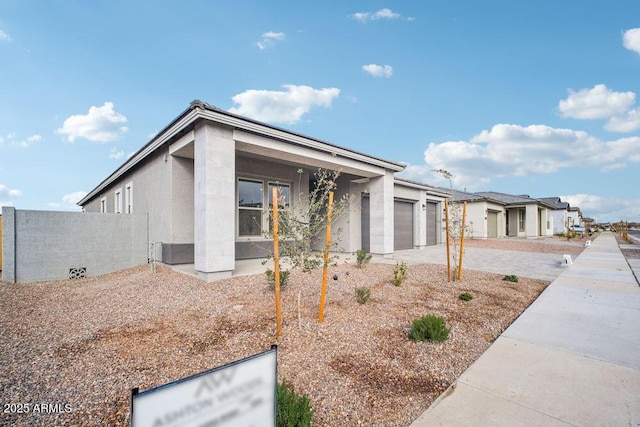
(276, 262)
(464, 216)
(446, 220)
(326, 259)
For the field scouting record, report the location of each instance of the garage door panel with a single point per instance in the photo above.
(403, 225)
(492, 224)
(432, 224)
(364, 227)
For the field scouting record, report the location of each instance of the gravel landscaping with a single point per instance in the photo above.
(83, 344)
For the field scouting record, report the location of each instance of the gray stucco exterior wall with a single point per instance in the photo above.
(46, 245)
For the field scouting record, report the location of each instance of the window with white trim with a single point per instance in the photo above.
(103, 205)
(284, 197)
(128, 198)
(118, 201)
(284, 194)
(521, 219)
(251, 203)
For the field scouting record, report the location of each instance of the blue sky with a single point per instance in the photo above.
(538, 98)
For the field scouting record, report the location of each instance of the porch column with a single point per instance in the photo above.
(214, 202)
(531, 221)
(381, 214)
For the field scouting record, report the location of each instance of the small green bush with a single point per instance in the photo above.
(362, 258)
(511, 278)
(292, 409)
(399, 273)
(363, 294)
(271, 278)
(429, 327)
(465, 296)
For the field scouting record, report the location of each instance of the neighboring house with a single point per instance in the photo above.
(574, 216)
(205, 179)
(493, 215)
(559, 213)
(485, 218)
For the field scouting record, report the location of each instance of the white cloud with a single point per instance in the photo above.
(73, 198)
(282, 106)
(101, 124)
(596, 103)
(29, 141)
(69, 202)
(374, 16)
(512, 150)
(631, 39)
(4, 36)
(605, 209)
(25, 143)
(603, 103)
(628, 122)
(375, 70)
(8, 192)
(269, 38)
(116, 154)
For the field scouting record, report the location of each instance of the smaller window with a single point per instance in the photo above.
(128, 198)
(103, 205)
(118, 201)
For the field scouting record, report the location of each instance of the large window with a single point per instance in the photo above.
(251, 203)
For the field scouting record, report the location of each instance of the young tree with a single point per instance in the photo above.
(455, 223)
(301, 225)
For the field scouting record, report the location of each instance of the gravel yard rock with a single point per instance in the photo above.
(84, 344)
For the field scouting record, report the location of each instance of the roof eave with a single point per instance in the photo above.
(199, 110)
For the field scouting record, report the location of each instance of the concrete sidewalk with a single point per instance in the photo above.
(571, 359)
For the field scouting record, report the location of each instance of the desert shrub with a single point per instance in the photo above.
(271, 278)
(511, 278)
(362, 258)
(465, 296)
(430, 327)
(292, 409)
(399, 273)
(363, 294)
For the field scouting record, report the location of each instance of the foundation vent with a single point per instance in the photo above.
(77, 273)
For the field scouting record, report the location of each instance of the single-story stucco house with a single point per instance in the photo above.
(204, 180)
(492, 214)
(574, 217)
(560, 213)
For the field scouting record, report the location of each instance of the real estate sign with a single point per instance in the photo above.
(242, 393)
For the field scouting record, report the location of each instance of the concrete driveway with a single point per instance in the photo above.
(535, 265)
